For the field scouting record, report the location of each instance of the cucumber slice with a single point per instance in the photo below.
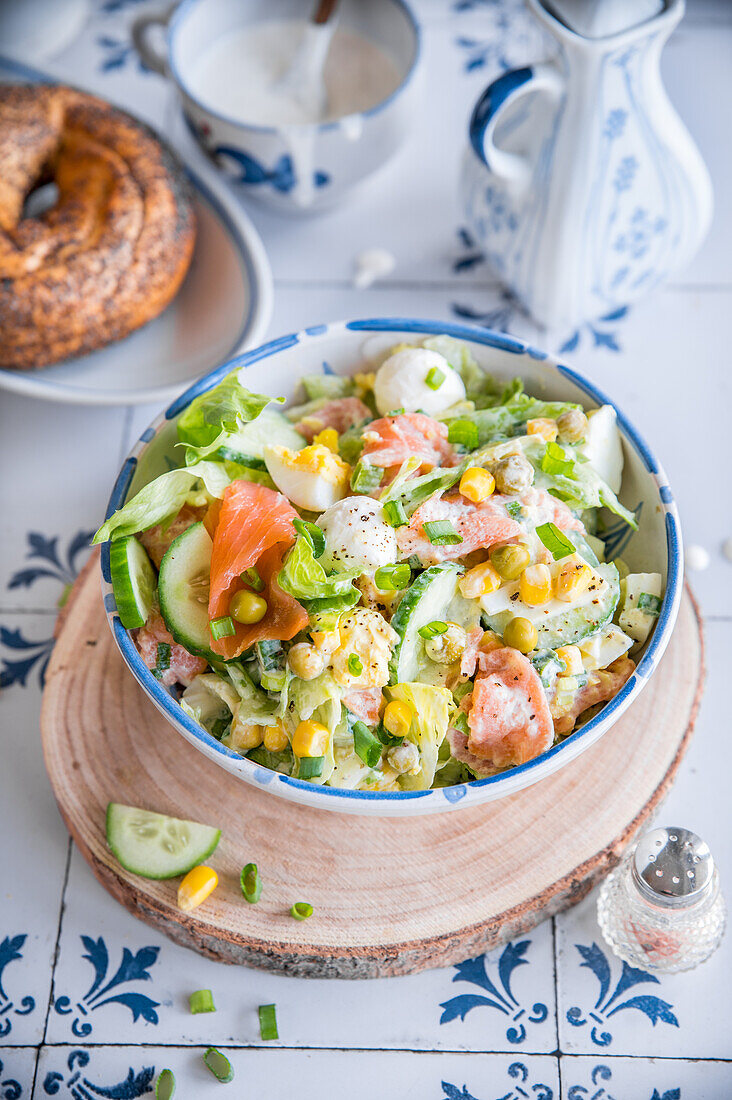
(270, 428)
(183, 585)
(156, 846)
(426, 600)
(133, 581)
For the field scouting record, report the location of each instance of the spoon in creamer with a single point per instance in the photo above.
(303, 79)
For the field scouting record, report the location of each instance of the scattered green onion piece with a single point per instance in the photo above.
(460, 722)
(366, 476)
(392, 578)
(396, 412)
(251, 883)
(557, 543)
(252, 578)
(555, 461)
(464, 433)
(431, 630)
(441, 532)
(162, 660)
(222, 628)
(310, 767)
(435, 378)
(301, 910)
(201, 1001)
(394, 514)
(514, 509)
(312, 533)
(650, 604)
(165, 1085)
(219, 1065)
(355, 664)
(268, 1022)
(366, 746)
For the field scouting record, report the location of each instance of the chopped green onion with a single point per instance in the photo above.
(514, 509)
(460, 722)
(219, 1065)
(435, 378)
(414, 562)
(367, 747)
(273, 680)
(396, 412)
(201, 1001)
(252, 578)
(165, 1085)
(162, 660)
(366, 476)
(431, 630)
(394, 513)
(464, 433)
(650, 604)
(222, 628)
(268, 1022)
(355, 664)
(310, 767)
(461, 690)
(555, 461)
(251, 883)
(387, 739)
(558, 545)
(441, 532)
(392, 578)
(301, 910)
(312, 533)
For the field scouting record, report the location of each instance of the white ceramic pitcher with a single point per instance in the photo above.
(581, 182)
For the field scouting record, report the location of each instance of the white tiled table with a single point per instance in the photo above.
(94, 1003)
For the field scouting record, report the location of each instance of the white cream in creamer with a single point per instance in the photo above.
(240, 74)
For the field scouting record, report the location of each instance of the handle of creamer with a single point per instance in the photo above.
(504, 91)
(153, 58)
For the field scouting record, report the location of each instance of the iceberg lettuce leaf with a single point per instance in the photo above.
(304, 578)
(221, 411)
(431, 710)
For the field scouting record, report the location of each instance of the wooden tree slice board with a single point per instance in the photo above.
(391, 896)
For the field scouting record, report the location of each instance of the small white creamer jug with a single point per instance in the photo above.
(581, 183)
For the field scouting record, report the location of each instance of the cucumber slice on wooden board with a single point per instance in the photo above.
(156, 846)
(133, 581)
(426, 600)
(183, 587)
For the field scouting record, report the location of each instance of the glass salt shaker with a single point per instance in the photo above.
(661, 908)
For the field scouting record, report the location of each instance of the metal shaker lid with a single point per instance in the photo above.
(673, 866)
(602, 18)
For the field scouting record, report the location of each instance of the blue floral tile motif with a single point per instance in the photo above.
(603, 332)
(132, 968)
(10, 1088)
(252, 172)
(78, 1086)
(602, 1073)
(49, 561)
(118, 53)
(474, 971)
(10, 951)
(609, 1003)
(34, 654)
(519, 1073)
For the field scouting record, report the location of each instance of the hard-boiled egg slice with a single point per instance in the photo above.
(313, 478)
(602, 447)
(417, 379)
(357, 536)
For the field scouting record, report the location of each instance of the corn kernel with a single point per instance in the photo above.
(490, 641)
(477, 484)
(479, 581)
(543, 427)
(275, 738)
(327, 438)
(398, 718)
(572, 657)
(311, 739)
(196, 887)
(573, 578)
(364, 382)
(535, 585)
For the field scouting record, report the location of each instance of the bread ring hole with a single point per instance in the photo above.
(40, 199)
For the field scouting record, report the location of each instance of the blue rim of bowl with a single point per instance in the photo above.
(209, 197)
(181, 13)
(488, 338)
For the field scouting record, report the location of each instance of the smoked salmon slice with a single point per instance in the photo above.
(341, 414)
(509, 717)
(254, 528)
(183, 666)
(479, 525)
(393, 439)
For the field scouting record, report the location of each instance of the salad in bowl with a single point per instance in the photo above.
(408, 581)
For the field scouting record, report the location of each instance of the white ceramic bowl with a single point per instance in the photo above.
(275, 368)
(272, 164)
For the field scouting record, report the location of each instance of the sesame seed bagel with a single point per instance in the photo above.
(111, 253)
